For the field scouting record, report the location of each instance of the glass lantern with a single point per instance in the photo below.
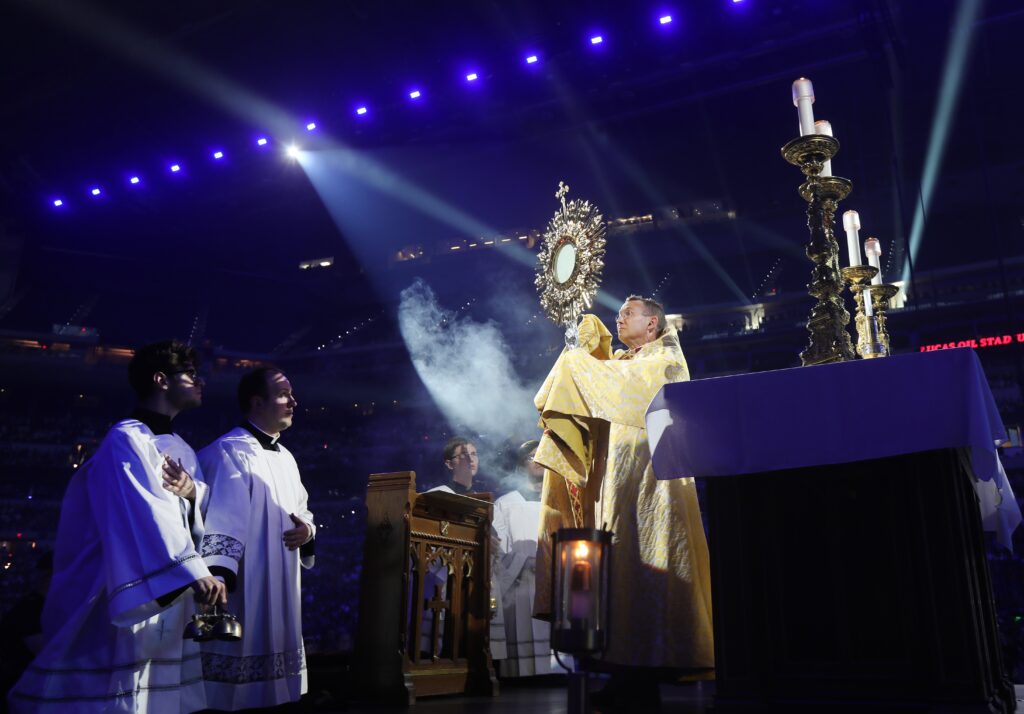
(581, 558)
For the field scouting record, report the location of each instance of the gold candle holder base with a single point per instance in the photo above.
(880, 297)
(869, 344)
(829, 340)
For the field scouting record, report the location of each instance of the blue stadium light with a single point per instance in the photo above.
(311, 126)
(665, 19)
(175, 168)
(596, 40)
(532, 59)
(414, 94)
(218, 155)
(262, 141)
(96, 191)
(133, 180)
(292, 151)
(471, 77)
(57, 203)
(361, 111)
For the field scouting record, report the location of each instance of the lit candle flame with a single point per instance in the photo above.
(581, 551)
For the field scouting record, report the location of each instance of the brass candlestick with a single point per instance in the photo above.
(830, 342)
(869, 338)
(869, 344)
(880, 297)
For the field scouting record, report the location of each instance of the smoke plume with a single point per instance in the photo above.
(468, 369)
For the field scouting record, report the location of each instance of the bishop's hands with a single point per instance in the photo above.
(297, 536)
(594, 337)
(177, 480)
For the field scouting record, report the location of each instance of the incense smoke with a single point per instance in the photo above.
(468, 369)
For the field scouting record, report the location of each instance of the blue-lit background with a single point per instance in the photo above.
(265, 180)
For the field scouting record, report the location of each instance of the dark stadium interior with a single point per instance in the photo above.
(673, 131)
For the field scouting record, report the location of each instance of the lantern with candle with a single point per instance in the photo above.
(580, 618)
(580, 584)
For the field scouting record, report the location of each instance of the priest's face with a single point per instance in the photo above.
(184, 388)
(634, 327)
(274, 414)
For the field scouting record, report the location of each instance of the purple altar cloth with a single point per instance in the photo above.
(836, 413)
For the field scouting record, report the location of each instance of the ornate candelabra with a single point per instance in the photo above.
(869, 342)
(829, 341)
(880, 297)
(872, 334)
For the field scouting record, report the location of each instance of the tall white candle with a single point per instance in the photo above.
(824, 127)
(873, 250)
(851, 224)
(803, 98)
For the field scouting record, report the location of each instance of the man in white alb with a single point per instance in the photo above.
(516, 523)
(125, 556)
(257, 522)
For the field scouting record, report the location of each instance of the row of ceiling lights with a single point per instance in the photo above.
(362, 110)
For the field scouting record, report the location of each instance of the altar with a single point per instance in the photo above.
(845, 506)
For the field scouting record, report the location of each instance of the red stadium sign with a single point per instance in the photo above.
(976, 343)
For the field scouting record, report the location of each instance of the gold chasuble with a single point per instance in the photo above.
(592, 407)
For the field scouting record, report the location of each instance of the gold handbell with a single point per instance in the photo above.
(227, 628)
(197, 629)
(214, 625)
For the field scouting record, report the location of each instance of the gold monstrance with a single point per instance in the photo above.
(570, 261)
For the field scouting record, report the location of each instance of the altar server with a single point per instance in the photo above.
(257, 523)
(462, 462)
(124, 560)
(516, 523)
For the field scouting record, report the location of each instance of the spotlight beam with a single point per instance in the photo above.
(630, 168)
(324, 165)
(636, 173)
(160, 58)
(942, 123)
(149, 51)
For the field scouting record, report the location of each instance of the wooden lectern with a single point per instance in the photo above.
(424, 593)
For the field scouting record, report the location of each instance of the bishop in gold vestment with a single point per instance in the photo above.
(599, 474)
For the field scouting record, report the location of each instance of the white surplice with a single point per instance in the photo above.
(527, 640)
(252, 492)
(122, 542)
